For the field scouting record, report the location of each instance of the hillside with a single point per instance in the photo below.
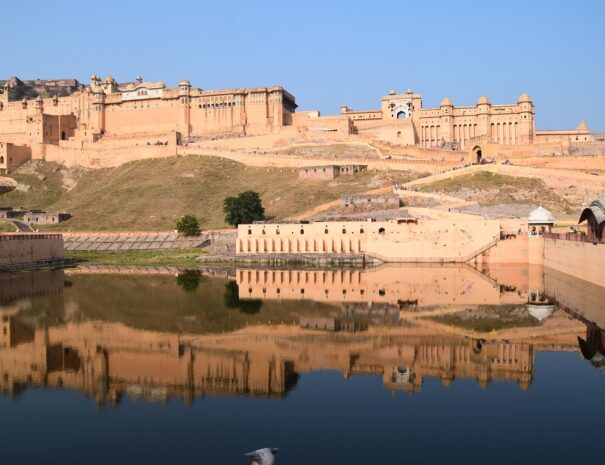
(153, 194)
(504, 195)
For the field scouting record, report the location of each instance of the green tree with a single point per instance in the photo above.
(188, 225)
(243, 209)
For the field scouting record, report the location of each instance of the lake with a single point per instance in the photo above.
(388, 365)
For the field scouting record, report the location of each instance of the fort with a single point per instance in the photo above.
(106, 123)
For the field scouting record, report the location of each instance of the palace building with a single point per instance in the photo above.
(106, 123)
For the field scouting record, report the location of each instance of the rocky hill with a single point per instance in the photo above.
(44, 88)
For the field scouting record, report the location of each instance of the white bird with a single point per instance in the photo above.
(264, 456)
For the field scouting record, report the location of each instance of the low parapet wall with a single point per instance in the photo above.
(29, 249)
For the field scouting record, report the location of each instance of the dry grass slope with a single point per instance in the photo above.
(153, 194)
(491, 189)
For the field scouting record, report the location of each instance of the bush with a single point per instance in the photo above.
(243, 209)
(188, 225)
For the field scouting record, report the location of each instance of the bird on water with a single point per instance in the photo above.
(264, 456)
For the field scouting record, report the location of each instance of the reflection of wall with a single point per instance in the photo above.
(19, 285)
(401, 286)
(582, 298)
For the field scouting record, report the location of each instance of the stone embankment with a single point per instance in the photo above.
(122, 241)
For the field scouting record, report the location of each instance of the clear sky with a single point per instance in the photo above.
(328, 53)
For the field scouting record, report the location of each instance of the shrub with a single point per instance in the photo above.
(188, 225)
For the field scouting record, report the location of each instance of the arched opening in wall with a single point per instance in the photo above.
(477, 155)
(63, 136)
(1, 160)
(402, 115)
(398, 133)
(381, 231)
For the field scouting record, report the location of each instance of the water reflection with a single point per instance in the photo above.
(187, 335)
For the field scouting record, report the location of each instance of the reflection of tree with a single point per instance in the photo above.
(189, 280)
(232, 300)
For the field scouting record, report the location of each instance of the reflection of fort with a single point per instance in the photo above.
(108, 360)
(105, 360)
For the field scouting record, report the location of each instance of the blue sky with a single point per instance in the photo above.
(328, 53)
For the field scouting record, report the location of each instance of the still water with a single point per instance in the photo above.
(381, 366)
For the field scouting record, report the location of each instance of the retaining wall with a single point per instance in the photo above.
(583, 260)
(29, 249)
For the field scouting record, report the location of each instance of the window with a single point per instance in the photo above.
(381, 231)
(361, 231)
(326, 231)
(302, 231)
(249, 231)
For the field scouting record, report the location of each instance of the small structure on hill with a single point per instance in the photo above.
(595, 216)
(540, 221)
(7, 213)
(359, 203)
(42, 217)
(329, 171)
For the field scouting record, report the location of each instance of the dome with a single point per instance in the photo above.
(392, 92)
(446, 102)
(541, 216)
(108, 80)
(524, 98)
(409, 91)
(582, 126)
(184, 82)
(483, 100)
(540, 312)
